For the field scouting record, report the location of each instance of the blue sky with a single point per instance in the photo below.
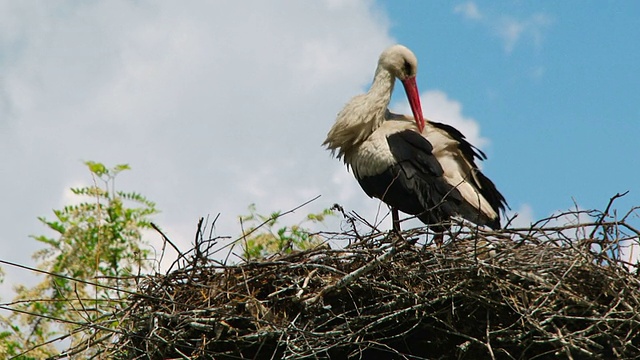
(217, 105)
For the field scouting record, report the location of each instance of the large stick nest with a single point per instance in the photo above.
(540, 292)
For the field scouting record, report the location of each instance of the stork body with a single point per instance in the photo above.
(421, 168)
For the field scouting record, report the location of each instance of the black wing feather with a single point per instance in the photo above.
(468, 150)
(486, 187)
(414, 185)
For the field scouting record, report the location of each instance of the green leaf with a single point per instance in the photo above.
(121, 167)
(96, 168)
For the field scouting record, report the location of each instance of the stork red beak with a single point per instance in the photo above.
(413, 95)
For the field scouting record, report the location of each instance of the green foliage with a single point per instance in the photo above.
(265, 236)
(98, 240)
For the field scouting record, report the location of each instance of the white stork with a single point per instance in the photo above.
(421, 168)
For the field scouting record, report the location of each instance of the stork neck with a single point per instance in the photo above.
(362, 116)
(380, 92)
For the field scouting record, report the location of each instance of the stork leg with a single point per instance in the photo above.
(395, 218)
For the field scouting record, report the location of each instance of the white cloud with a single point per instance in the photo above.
(438, 107)
(630, 252)
(524, 219)
(215, 105)
(344, 181)
(469, 10)
(510, 29)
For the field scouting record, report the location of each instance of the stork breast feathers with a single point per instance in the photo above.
(374, 156)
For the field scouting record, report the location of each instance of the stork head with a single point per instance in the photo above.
(403, 64)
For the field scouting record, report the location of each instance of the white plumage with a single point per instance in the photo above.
(422, 168)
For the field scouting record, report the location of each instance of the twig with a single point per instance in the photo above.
(605, 213)
(354, 275)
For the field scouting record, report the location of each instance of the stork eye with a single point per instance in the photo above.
(407, 68)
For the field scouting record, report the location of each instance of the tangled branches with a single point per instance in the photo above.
(557, 289)
(514, 294)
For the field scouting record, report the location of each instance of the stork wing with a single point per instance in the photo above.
(485, 186)
(414, 184)
(410, 147)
